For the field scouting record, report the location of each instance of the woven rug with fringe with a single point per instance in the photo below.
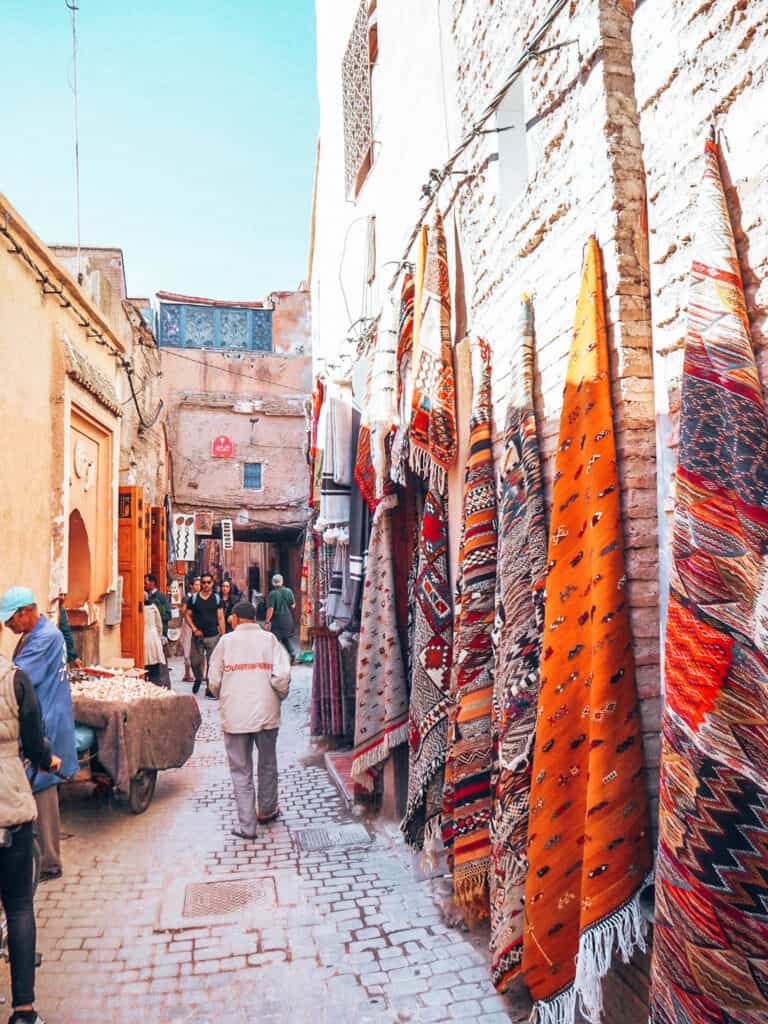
(469, 762)
(710, 949)
(381, 719)
(404, 370)
(588, 829)
(430, 700)
(433, 438)
(518, 632)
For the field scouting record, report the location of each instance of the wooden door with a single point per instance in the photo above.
(159, 560)
(132, 565)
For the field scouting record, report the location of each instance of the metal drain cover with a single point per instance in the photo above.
(310, 840)
(214, 899)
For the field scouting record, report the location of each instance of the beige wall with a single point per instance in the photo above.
(37, 410)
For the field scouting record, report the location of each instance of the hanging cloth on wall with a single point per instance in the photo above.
(381, 717)
(710, 951)
(337, 471)
(383, 394)
(327, 706)
(433, 436)
(518, 633)
(404, 360)
(588, 831)
(430, 700)
(467, 793)
(422, 245)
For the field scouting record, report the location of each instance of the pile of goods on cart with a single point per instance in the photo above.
(127, 729)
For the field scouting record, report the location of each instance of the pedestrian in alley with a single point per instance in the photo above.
(155, 597)
(73, 658)
(41, 654)
(227, 604)
(154, 646)
(186, 631)
(251, 673)
(21, 726)
(206, 620)
(280, 605)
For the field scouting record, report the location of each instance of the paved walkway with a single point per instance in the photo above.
(135, 931)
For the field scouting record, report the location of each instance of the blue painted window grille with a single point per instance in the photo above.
(252, 476)
(231, 329)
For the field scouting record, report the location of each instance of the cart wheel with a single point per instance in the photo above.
(141, 790)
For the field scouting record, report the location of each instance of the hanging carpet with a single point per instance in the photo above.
(710, 950)
(381, 717)
(467, 793)
(518, 633)
(588, 839)
(433, 437)
(404, 360)
(430, 700)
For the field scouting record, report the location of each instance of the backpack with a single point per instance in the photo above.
(194, 598)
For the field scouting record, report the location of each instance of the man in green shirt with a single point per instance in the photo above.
(280, 605)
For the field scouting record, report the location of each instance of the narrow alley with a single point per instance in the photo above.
(168, 917)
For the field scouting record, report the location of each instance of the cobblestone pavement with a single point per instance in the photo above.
(134, 930)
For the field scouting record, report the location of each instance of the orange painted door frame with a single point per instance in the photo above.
(132, 565)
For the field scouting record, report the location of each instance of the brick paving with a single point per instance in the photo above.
(348, 933)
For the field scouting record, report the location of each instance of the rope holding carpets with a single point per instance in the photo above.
(588, 833)
(710, 956)
(517, 635)
(467, 793)
(430, 700)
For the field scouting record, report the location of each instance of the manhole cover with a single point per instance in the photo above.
(309, 840)
(212, 899)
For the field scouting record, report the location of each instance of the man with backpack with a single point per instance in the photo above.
(205, 618)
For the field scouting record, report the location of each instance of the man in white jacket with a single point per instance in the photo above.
(250, 672)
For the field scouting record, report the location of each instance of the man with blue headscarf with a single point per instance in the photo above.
(41, 654)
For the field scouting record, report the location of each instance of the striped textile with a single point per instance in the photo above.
(710, 950)
(518, 633)
(588, 829)
(433, 438)
(430, 700)
(467, 793)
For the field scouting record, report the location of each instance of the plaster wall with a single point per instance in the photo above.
(276, 441)
(37, 414)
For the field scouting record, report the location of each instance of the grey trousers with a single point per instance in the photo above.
(239, 747)
(48, 827)
(202, 649)
(284, 628)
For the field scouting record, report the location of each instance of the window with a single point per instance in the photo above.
(357, 68)
(513, 144)
(183, 325)
(252, 476)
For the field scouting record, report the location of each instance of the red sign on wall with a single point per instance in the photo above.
(223, 447)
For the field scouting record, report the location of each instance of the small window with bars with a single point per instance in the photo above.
(252, 476)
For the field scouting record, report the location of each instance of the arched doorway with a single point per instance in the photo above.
(79, 564)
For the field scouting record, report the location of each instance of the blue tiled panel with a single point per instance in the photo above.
(195, 326)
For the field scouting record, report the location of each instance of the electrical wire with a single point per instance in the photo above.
(438, 176)
(147, 425)
(234, 373)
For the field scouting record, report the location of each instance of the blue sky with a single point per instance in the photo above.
(198, 121)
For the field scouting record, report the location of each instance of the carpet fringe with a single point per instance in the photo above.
(471, 892)
(624, 930)
(362, 763)
(760, 635)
